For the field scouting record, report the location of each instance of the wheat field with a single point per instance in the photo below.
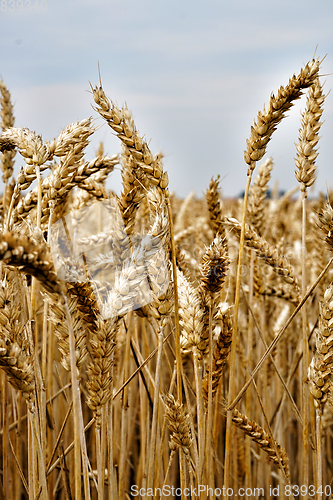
(154, 347)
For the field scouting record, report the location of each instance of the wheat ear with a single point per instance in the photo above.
(267, 252)
(131, 194)
(7, 121)
(179, 425)
(267, 121)
(321, 366)
(309, 137)
(31, 258)
(215, 207)
(261, 134)
(58, 315)
(257, 197)
(262, 438)
(320, 369)
(102, 344)
(305, 175)
(190, 315)
(15, 357)
(325, 223)
(214, 269)
(122, 123)
(220, 356)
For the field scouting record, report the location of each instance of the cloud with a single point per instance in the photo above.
(194, 74)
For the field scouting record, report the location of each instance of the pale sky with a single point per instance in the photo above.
(194, 73)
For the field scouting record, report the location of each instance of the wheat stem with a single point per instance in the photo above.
(32, 479)
(5, 480)
(79, 436)
(248, 402)
(200, 412)
(319, 462)
(41, 461)
(305, 359)
(124, 417)
(175, 287)
(232, 362)
(152, 449)
(209, 426)
(112, 486)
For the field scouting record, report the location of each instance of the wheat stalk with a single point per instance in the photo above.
(146, 294)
